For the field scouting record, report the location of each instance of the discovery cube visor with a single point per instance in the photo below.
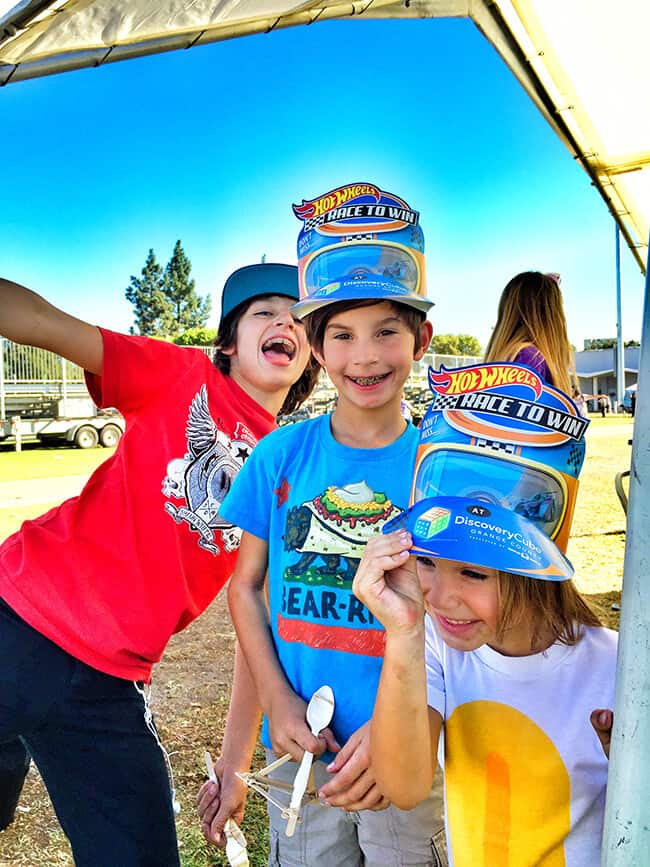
(469, 530)
(536, 492)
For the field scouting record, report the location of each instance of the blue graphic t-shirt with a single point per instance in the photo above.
(317, 502)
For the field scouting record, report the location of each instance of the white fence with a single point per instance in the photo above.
(29, 364)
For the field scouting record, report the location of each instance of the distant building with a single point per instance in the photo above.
(596, 370)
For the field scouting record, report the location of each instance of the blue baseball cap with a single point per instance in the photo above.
(485, 534)
(251, 281)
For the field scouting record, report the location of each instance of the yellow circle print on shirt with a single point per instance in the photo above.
(507, 788)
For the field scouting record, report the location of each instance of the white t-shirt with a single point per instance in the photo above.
(525, 774)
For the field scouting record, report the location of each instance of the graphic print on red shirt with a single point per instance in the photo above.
(203, 476)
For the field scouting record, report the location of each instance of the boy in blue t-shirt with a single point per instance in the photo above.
(308, 500)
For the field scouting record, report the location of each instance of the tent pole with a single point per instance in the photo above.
(2, 380)
(620, 350)
(626, 840)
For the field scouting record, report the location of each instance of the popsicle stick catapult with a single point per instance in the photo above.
(303, 791)
(259, 782)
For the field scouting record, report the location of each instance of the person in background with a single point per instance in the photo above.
(405, 409)
(531, 329)
(92, 591)
(580, 401)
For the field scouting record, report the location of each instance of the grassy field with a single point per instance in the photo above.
(40, 463)
(191, 685)
(36, 462)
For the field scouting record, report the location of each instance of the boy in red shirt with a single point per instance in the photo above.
(91, 592)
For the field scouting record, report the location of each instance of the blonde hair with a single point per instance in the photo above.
(531, 313)
(552, 608)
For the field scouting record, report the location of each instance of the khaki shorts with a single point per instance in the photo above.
(331, 837)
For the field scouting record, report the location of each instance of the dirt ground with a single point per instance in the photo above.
(190, 698)
(191, 685)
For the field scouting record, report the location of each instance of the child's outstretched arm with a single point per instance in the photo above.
(218, 802)
(27, 318)
(405, 730)
(602, 721)
(286, 711)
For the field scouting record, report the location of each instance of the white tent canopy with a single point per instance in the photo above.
(584, 62)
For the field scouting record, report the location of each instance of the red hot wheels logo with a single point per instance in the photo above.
(334, 199)
(356, 208)
(481, 377)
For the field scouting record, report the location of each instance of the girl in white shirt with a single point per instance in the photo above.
(495, 666)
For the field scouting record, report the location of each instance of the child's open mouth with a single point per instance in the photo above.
(279, 350)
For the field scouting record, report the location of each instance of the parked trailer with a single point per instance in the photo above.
(72, 420)
(44, 397)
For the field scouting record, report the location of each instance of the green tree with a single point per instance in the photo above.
(188, 310)
(444, 344)
(152, 309)
(469, 345)
(455, 344)
(196, 337)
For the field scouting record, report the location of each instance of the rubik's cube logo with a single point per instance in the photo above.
(432, 522)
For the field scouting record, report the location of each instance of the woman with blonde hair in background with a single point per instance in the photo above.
(531, 329)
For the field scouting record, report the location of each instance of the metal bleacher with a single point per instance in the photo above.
(32, 380)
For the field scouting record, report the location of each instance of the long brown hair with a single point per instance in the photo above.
(531, 313)
(226, 339)
(553, 608)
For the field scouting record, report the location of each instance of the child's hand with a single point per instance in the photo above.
(220, 801)
(602, 722)
(354, 786)
(386, 582)
(289, 731)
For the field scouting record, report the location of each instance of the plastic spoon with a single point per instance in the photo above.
(319, 714)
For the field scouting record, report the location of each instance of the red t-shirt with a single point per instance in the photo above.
(111, 574)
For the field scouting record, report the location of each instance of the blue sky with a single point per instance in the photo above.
(213, 145)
